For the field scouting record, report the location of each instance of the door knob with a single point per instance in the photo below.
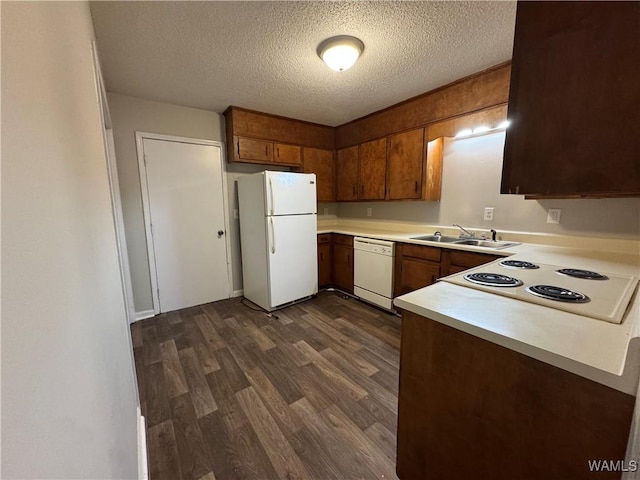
(220, 233)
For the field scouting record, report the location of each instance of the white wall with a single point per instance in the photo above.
(68, 392)
(131, 114)
(471, 181)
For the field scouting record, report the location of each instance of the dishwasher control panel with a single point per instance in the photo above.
(380, 247)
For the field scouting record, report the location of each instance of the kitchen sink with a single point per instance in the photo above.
(437, 238)
(485, 243)
(476, 242)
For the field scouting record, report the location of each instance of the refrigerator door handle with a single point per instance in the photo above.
(273, 237)
(271, 196)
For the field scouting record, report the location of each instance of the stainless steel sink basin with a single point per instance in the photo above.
(486, 243)
(476, 242)
(437, 238)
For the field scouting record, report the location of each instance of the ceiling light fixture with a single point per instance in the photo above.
(341, 52)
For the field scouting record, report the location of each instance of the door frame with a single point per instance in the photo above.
(144, 188)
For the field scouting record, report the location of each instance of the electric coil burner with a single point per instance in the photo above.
(492, 279)
(584, 274)
(559, 294)
(519, 264)
(603, 296)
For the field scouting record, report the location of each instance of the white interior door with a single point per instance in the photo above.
(186, 210)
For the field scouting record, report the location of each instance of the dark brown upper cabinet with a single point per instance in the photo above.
(574, 101)
(321, 162)
(405, 164)
(373, 170)
(256, 137)
(347, 174)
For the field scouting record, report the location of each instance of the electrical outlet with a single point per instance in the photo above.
(235, 213)
(369, 211)
(553, 215)
(488, 214)
(326, 211)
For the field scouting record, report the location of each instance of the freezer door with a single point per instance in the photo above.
(290, 193)
(292, 251)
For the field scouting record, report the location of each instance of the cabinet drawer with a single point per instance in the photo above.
(419, 251)
(288, 154)
(250, 149)
(324, 238)
(469, 259)
(343, 239)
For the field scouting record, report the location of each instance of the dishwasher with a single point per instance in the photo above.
(373, 271)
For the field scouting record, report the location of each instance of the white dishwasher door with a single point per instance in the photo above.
(373, 271)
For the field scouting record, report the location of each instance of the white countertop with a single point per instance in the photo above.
(600, 351)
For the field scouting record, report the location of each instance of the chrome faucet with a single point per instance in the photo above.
(466, 233)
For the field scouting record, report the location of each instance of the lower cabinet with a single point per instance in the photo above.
(418, 266)
(456, 261)
(325, 260)
(335, 261)
(343, 262)
(468, 408)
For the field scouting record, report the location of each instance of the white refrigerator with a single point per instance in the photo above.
(278, 237)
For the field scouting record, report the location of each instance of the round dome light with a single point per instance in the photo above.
(341, 52)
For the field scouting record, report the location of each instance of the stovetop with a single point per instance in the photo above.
(599, 295)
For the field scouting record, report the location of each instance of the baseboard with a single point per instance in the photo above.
(143, 470)
(237, 293)
(144, 314)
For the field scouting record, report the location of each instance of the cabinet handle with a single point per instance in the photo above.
(238, 145)
(416, 186)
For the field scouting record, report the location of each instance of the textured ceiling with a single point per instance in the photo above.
(262, 55)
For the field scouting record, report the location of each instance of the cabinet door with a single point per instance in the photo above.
(253, 150)
(415, 274)
(287, 154)
(324, 265)
(322, 164)
(455, 261)
(574, 100)
(347, 174)
(405, 165)
(373, 170)
(432, 188)
(343, 267)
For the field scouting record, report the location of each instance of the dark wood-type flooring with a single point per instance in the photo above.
(229, 393)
